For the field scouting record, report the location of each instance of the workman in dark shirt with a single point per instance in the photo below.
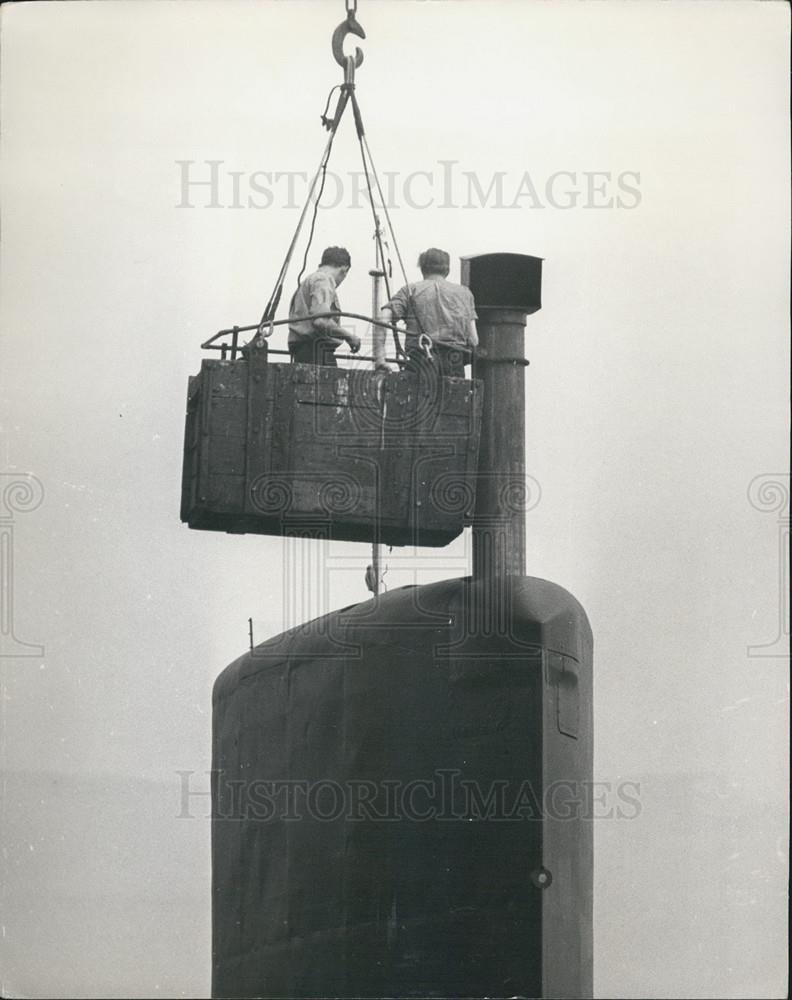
(437, 308)
(314, 341)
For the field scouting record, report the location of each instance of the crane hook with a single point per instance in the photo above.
(348, 27)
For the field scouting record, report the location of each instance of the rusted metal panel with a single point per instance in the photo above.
(359, 449)
(224, 491)
(261, 393)
(227, 378)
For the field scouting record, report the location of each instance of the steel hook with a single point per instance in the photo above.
(348, 27)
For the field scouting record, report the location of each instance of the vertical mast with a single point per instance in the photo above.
(374, 579)
(506, 287)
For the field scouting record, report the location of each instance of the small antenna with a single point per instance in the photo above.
(250, 633)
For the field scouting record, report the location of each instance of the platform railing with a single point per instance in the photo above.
(230, 351)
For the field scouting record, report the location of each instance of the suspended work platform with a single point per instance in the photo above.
(354, 455)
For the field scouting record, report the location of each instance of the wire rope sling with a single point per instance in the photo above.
(326, 451)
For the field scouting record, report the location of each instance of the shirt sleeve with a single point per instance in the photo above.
(399, 304)
(322, 297)
(471, 306)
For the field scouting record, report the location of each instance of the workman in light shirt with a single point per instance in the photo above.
(314, 341)
(443, 311)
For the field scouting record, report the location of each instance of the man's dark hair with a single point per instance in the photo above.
(434, 261)
(336, 257)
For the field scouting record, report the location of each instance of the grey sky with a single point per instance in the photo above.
(658, 391)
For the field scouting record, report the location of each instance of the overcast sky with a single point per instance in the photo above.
(642, 149)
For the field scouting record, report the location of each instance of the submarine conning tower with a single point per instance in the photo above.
(402, 789)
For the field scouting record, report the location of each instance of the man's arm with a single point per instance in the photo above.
(321, 302)
(473, 334)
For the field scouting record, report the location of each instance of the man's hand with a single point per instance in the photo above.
(353, 340)
(381, 366)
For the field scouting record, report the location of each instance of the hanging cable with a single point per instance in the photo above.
(364, 142)
(316, 209)
(377, 227)
(346, 95)
(368, 170)
(274, 299)
(327, 122)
